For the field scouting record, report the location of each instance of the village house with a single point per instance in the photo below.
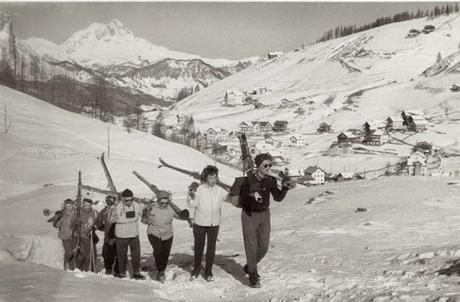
(318, 175)
(376, 137)
(324, 127)
(294, 174)
(280, 126)
(262, 127)
(216, 134)
(296, 141)
(287, 103)
(346, 137)
(373, 125)
(343, 176)
(416, 164)
(414, 120)
(234, 98)
(274, 54)
(246, 127)
(419, 124)
(395, 123)
(256, 91)
(211, 135)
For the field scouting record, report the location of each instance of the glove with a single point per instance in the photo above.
(287, 183)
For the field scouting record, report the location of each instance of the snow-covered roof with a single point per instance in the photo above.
(234, 92)
(374, 124)
(348, 134)
(378, 132)
(296, 136)
(396, 118)
(414, 112)
(312, 169)
(347, 174)
(246, 124)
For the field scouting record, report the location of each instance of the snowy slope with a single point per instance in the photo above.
(380, 63)
(321, 248)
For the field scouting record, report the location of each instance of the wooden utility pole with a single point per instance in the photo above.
(108, 141)
(7, 125)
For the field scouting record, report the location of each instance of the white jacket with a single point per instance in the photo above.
(207, 205)
(126, 227)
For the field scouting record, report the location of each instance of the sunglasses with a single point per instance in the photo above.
(128, 199)
(268, 165)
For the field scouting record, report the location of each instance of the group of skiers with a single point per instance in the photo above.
(120, 223)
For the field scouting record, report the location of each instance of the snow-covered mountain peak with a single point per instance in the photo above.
(5, 23)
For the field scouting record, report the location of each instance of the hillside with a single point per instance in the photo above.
(402, 247)
(366, 76)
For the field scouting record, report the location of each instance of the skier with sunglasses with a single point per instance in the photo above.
(255, 216)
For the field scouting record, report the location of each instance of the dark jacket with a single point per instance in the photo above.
(267, 186)
(102, 224)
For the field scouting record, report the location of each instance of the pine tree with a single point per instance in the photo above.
(438, 58)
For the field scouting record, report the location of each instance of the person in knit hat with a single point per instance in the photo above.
(85, 261)
(159, 218)
(65, 232)
(255, 215)
(126, 216)
(109, 249)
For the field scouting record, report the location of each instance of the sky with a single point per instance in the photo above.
(231, 30)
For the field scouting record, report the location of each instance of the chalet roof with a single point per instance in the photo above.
(281, 122)
(348, 134)
(396, 118)
(312, 169)
(245, 124)
(261, 123)
(348, 175)
(378, 132)
(235, 92)
(414, 112)
(374, 124)
(296, 136)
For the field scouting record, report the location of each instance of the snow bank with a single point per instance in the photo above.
(6, 257)
(32, 249)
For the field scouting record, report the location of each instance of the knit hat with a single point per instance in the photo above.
(68, 201)
(87, 200)
(127, 193)
(261, 157)
(163, 194)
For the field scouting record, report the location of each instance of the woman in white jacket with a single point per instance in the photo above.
(206, 203)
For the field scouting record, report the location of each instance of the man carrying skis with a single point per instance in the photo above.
(127, 215)
(109, 249)
(86, 260)
(255, 216)
(65, 224)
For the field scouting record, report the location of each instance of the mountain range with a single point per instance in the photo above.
(112, 54)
